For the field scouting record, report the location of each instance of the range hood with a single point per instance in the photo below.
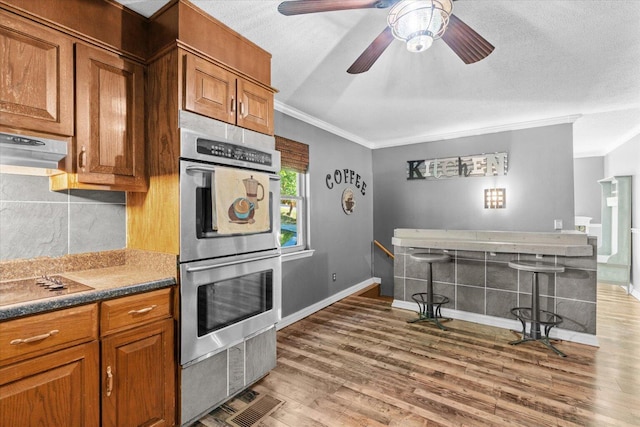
(30, 151)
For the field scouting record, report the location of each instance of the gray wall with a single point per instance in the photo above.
(342, 242)
(539, 187)
(587, 192)
(37, 222)
(625, 160)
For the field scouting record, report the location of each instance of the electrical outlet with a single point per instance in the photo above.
(333, 277)
(557, 224)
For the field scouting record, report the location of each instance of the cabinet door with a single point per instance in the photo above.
(36, 89)
(110, 119)
(209, 90)
(138, 377)
(56, 390)
(255, 107)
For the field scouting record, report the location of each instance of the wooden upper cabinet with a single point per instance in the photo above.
(214, 92)
(209, 89)
(36, 89)
(255, 107)
(110, 133)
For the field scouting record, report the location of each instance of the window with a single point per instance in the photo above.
(294, 218)
(292, 210)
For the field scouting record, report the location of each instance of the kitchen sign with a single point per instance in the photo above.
(474, 165)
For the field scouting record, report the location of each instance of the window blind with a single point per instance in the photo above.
(293, 154)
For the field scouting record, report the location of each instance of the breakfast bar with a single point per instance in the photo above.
(481, 286)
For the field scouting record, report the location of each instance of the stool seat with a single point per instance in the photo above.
(536, 266)
(429, 304)
(425, 257)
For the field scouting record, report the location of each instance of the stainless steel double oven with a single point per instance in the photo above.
(230, 281)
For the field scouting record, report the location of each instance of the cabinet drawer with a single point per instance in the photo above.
(43, 333)
(123, 313)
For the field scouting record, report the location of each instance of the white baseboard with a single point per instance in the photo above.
(635, 292)
(292, 318)
(561, 334)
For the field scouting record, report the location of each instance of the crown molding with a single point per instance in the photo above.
(603, 151)
(302, 116)
(478, 131)
(297, 114)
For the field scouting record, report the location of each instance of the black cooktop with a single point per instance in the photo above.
(35, 288)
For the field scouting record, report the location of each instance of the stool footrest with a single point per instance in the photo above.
(546, 319)
(430, 310)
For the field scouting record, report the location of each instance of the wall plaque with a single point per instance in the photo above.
(348, 202)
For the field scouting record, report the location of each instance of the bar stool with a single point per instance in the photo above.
(429, 303)
(533, 314)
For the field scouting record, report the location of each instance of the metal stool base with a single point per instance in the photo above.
(523, 314)
(430, 311)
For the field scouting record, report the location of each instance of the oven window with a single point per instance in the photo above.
(226, 302)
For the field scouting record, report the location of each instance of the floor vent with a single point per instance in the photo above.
(261, 408)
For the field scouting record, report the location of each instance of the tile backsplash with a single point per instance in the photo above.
(37, 222)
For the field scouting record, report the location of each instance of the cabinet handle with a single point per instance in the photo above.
(242, 108)
(109, 381)
(233, 105)
(82, 158)
(34, 339)
(142, 310)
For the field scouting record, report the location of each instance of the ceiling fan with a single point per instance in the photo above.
(416, 22)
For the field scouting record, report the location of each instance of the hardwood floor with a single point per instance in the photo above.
(358, 363)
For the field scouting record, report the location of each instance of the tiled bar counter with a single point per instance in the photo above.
(482, 288)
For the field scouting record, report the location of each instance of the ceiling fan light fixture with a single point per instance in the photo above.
(419, 22)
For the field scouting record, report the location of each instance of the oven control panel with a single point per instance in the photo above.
(219, 149)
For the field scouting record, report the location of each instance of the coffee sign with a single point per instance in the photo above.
(348, 177)
(474, 165)
(345, 176)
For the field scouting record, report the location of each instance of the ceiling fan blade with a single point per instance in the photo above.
(465, 42)
(312, 6)
(372, 52)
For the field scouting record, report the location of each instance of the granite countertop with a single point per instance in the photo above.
(134, 272)
(558, 243)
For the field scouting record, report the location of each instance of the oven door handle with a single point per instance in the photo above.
(226, 264)
(200, 169)
(211, 169)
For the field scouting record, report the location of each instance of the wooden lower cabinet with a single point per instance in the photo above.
(55, 372)
(138, 385)
(59, 389)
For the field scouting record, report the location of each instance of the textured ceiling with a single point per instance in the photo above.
(554, 62)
